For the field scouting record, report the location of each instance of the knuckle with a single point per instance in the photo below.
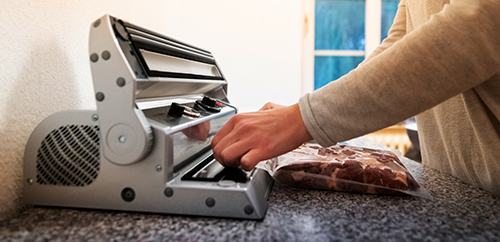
(247, 165)
(225, 156)
(240, 118)
(269, 104)
(215, 148)
(246, 126)
(236, 118)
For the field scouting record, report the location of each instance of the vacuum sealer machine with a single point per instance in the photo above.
(147, 146)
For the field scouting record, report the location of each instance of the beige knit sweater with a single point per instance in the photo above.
(440, 62)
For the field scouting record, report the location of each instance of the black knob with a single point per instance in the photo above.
(176, 110)
(179, 110)
(210, 104)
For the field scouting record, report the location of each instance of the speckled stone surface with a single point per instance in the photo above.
(459, 212)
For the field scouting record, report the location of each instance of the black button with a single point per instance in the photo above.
(210, 202)
(248, 209)
(168, 192)
(128, 194)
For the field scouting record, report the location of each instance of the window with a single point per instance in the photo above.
(345, 32)
(389, 8)
(339, 41)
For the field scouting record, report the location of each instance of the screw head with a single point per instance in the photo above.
(158, 168)
(94, 57)
(120, 82)
(97, 23)
(95, 117)
(99, 96)
(122, 139)
(106, 55)
(29, 181)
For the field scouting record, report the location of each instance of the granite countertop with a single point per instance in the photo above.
(459, 212)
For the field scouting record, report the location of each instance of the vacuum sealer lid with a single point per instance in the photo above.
(165, 67)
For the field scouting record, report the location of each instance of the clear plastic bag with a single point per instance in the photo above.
(344, 168)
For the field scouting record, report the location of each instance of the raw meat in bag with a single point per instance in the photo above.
(344, 168)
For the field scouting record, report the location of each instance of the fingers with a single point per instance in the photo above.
(249, 138)
(231, 143)
(225, 130)
(240, 153)
(229, 146)
(225, 138)
(251, 158)
(243, 147)
(232, 154)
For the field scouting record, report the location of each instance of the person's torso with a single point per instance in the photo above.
(460, 136)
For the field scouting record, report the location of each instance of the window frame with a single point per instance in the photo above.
(373, 25)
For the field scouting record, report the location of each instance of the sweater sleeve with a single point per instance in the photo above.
(396, 32)
(456, 50)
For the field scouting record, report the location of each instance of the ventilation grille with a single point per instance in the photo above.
(69, 156)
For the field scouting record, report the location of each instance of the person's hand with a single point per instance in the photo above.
(249, 138)
(269, 106)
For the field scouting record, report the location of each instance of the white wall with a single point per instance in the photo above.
(45, 67)
(257, 44)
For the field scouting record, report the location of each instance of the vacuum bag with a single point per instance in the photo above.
(344, 168)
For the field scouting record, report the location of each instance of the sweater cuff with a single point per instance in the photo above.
(310, 122)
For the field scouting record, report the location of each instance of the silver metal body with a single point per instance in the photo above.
(131, 154)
